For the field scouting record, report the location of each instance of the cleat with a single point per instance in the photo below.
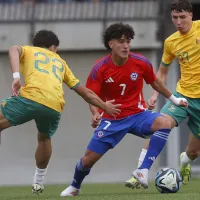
(37, 188)
(142, 176)
(70, 191)
(185, 171)
(132, 183)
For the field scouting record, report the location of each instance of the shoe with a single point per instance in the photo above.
(185, 171)
(142, 176)
(132, 183)
(70, 191)
(37, 188)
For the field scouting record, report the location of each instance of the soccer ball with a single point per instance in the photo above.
(168, 180)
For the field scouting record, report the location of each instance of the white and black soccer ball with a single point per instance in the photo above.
(168, 180)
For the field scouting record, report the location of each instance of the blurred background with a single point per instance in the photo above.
(79, 25)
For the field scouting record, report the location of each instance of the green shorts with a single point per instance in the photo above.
(19, 110)
(181, 113)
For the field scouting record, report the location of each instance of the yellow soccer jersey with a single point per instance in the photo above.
(186, 48)
(44, 73)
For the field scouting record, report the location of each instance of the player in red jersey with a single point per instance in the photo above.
(119, 76)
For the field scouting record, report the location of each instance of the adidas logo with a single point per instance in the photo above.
(109, 80)
(152, 158)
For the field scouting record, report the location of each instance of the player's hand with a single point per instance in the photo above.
(178, 101)
(112, 109)
(182, 102)
(16, 84)
(151, 103)
(96, 120)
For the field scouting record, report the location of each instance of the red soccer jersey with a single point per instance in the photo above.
(122, 83)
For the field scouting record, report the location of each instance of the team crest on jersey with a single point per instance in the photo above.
(134, 76)
(100, 134)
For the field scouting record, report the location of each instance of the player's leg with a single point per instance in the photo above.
(95, 150)
(42, 157)
(4, 123)
(133, 182)
(106, 136)
(193, 147)
(47, 122)
(161, 127)
(174, 115)
(11, 113)
(143, 152)
(84, 165)
(187, 157)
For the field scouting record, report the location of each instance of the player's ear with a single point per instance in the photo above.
(191, 15)
(110, 43)
(53, 48)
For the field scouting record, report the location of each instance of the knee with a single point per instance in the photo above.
(42, 138)
(87, 162)
(161, 123)
(90, 158)
(192, 153)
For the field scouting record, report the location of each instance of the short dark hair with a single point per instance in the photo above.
(181, 5)
(45, 38)
(115, 31)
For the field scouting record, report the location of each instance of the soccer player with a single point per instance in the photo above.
(120, 76)
(41, 98)
(185, 46)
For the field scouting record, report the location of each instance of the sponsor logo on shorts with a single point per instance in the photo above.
(100, 134)
(172, 108)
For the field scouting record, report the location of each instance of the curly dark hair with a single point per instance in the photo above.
(115, 31)
(45, 38)
(181, 5)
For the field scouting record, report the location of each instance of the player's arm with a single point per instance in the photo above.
(160, 87)
(90, 97)
(162, 73)
(162, 76)
(94, 110)
(14, 59)
(94, 83)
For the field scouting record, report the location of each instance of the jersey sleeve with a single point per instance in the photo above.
(167, 56)
(69, 78)
(149, 75)
(24, 50)
(24, 53)
(94, 81)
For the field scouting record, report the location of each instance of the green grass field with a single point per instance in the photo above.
(103, 192)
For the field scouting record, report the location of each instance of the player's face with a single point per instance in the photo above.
(120, 47)
(182, 21)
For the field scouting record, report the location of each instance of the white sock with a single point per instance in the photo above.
(185, 160)
(39, 175)
(142, 156)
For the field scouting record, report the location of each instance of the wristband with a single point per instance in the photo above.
(16, 75)
(174, 100)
